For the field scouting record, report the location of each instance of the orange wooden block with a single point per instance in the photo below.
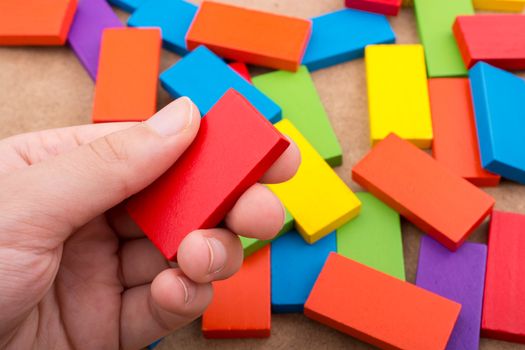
(241, 306)
(250, 36)
(35, 22)
(455, 142)
(380, 309)
(128, 73)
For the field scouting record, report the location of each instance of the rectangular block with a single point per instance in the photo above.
(385, 7)
(241, 69)
(494, 39)
(342, 35)
(241, 304)
(455, 140)
(500, 5)
(503, 301)
(251, 36)
(297, 96)
(173, 17)
(424, 191)
(458, 276)
(204, 77)
(128, 70)
(316, 196)
(127, 5)
(379, 309)
(35, 22)
(91, 18)
(374, 237)
(398, 93)
(434, 24)
(295, 267)
(234, 147)
(500, 120)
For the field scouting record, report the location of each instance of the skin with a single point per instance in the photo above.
(76, 272)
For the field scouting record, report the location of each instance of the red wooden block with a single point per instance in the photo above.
(385, 7)
(380, 309)
(495, 39)
(504, 299)
(241, 68)
(428, 194)
(234, 147)
(241, 306)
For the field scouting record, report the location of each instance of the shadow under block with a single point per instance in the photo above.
(234, 147)
(127, 80)
(204, 77)
(127, 5)
(455, 140)
(295, 267)
(424, 191)
(241, 306)
(380, 309)
(385, 7)
(434, 23)
(35, 22)
(297, 96)
(398, 93)
(374, 238)
(342, 35)
(500, 120)
(173, 17)
(317, 198)
(458, 276)
(500, 5)
(250, 36)
(91, 18)
(495, 39)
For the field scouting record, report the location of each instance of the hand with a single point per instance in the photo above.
(75, 271)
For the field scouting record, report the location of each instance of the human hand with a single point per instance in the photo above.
(75, 271)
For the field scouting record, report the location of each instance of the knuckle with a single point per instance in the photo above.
(109, 149)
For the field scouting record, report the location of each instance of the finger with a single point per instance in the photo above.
(151, 312)
(140, 262)
(285, 167)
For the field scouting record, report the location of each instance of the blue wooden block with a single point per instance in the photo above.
(341, 36)
(204, 77)
(498, 98)
(295, 266)
(127, 5)
(174, 18)
(154, 344)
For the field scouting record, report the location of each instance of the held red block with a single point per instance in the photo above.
(234, 147)
(385, 7)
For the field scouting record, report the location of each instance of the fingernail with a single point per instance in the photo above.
(217, 255)
(173, 118)
(188, 287)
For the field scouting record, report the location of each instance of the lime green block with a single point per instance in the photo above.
(374, 237)
(434, 23)
(251, 245)
(295, 93)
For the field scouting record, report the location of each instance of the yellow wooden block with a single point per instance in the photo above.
(316, 196)
(398, 93)
(500, 5)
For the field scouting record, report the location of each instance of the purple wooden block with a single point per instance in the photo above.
(91, 18)
(459, 276)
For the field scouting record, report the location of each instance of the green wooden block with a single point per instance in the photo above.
(434, 22)
(374, 238)
(297, 96)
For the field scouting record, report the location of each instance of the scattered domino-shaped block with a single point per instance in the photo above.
(204, 77)
(241, 69)
(234, 147)
(398, 93)
(458, 276)
(374, 237)
(297, 96)
(380, 309)
(424, 191)
(500, 120)
(455, 140)
(173, 17)
(127, 5)
(500, 5)
(384, 7)
(316, 196)
(295, 267)
(494, 39)
(342, 35)
(251, 36)
(128, 70)
(91, 18)
(35, 22)
(503, 301)
(241, 304)
(434, 23)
